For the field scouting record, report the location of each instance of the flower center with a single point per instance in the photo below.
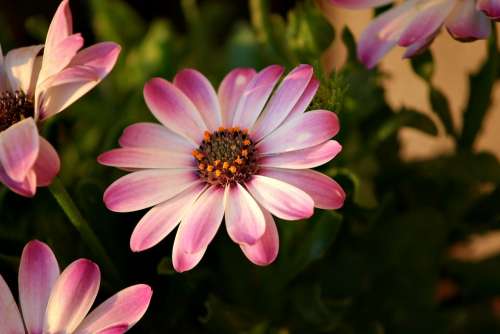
(226, 156)
(14, 107)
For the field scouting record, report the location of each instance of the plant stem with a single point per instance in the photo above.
(89, 237)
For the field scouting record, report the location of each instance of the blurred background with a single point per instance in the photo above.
(415, 248)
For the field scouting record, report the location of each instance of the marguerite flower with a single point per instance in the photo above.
(53, 303)
(415, 23)
(236, 154)
(34, 87)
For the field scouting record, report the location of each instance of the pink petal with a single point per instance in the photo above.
(152, 135)
(200, 91)
(265, 250)
(306, 158)
(19, 145)
(26, 188)
(281, 199)
(230, 91)
(124, 308)
(419, 46)
(60, 28)
(245, 221)
(72, 296)
(255, 96)
(136, 158)
(59, 57)
(431, 15)
(118, 329)
(310, 129)
(38, 272)
(201, 222)
(174, 110)
(143, 189)
(10, 318)
(465, 23)
(282, 101)
(47, 164)
(490, 7)
(19, 65)
(306, 98)
(383, 33)
(183, 260)
(326, 193)
(359, 4)
(162, 219)
(87, 69)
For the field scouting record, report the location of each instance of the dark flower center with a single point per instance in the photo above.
(14, 107)
(226, 156)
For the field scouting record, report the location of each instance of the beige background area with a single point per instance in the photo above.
(454, 61)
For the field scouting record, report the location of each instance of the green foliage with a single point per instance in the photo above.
(372, 267)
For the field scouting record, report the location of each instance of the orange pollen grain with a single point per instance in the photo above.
(244, 153)
(207, 135)
(233, 169)
(225, 165)
(216, 163)
(201, 166)
(239, 161)
(245, 131)
(218, 172)
(247, 142)
(221, 128)
(210, 168)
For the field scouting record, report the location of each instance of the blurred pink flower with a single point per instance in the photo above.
(415, 23)
(34, 87)
(58, 303)
(242, 153)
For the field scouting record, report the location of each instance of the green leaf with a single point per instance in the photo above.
(423, 65)
(350, 44)
(270, 31)
(441, 107)
(308, 32)
(115, 20)
(409, 118)
(481, 86)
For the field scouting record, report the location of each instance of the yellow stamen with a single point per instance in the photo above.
(233, 169)
(225, 165)
(218, 172)
(210, 168)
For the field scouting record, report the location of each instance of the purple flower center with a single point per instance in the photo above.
(226, 156)
(14, 107)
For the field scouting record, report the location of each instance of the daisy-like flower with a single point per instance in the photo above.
(34, 87)
(239, 154)
(415, 23)
(53, 303)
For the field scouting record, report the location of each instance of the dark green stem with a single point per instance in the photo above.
(89, 237)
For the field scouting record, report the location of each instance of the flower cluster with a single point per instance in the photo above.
(415, 23)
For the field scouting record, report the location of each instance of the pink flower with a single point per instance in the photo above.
(58, 303)
(242, 153)
(415, 23)
(35, 87)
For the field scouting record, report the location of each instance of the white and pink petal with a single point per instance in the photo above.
(72, 296)
(265, 250)
(280, 198)
(38, 272)
(231, 90)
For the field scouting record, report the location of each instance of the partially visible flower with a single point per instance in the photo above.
(243, 153)
(53, 303)
(415, 23)
(34, 87)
